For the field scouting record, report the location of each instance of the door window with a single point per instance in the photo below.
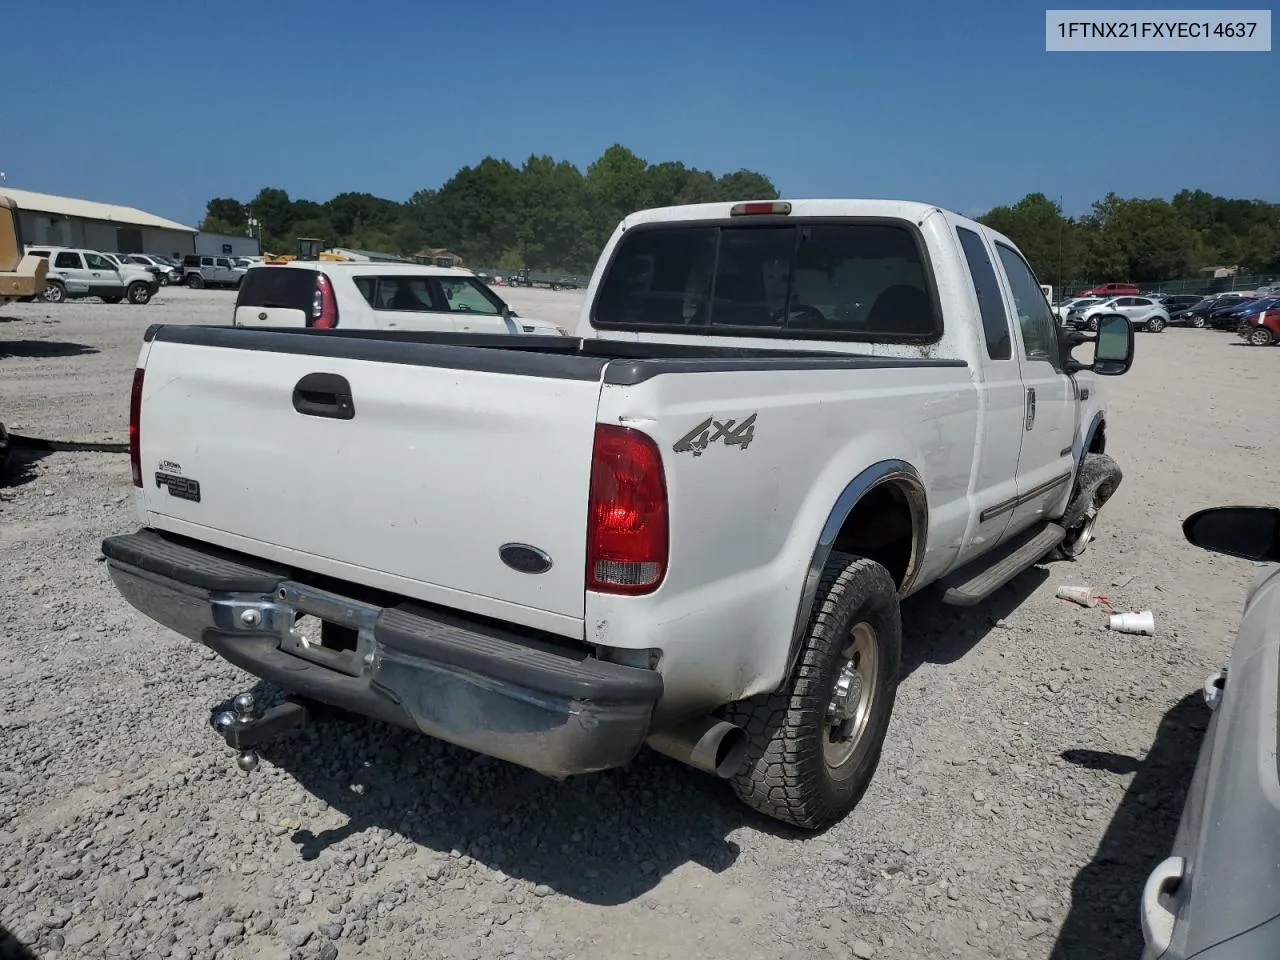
(411, 294)
(995, 322)
(206, 261)
(464, 295)
(222, 262)
(68, 261)
(1039, 336)
(98, 262)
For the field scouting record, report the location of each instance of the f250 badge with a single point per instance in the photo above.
(184, 488)
(711, 430)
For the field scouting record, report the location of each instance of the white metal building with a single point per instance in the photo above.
(50, 220)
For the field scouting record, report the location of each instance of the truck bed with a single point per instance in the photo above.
(409, 461)
(572, 358)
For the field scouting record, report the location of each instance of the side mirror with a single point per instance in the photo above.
(1252, 533)
(1112, 346)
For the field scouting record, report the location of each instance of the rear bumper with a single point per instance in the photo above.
(482, 686)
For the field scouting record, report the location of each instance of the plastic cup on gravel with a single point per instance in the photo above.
(1130, 622)
(1081, 595)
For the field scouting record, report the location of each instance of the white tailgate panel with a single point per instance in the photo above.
(436, 471)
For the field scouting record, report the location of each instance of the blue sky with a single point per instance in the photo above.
(163, 106)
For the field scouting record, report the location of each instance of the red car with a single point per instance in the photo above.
(1110, 290)
(1263, 329)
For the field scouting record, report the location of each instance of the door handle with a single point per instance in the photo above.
(324, 395)
(1031, 407)
(1157, 919)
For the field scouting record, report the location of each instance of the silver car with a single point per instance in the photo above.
(1217, 895)
(1143, 312)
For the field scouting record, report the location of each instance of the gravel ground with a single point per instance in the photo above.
(1034, 771)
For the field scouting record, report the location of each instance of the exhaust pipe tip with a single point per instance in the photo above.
(708, 744)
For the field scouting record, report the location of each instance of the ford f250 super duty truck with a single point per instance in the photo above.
(690, 525)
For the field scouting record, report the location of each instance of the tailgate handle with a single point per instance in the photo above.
(324, 395)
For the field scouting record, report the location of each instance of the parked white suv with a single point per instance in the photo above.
(376, 296)
(76, 273)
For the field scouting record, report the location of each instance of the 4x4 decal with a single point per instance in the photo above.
(710, 431)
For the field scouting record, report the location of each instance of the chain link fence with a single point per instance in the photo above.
(1203, 286)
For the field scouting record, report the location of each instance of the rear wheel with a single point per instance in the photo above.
(813, 748)
(1156, 325)
(1261, 337)
(54, 292)
(139, 293)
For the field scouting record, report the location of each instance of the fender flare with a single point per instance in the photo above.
(876, 475)
(1098, 425)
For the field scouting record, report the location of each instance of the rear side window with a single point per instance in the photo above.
(405, 294)
(68, 261)
(995, 322)
(278, 287)
(848, 280)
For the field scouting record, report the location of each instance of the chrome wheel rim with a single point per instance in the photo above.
(852, 696)
(1079, 536)
(1260, 338)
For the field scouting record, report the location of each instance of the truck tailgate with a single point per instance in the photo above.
(440, 457)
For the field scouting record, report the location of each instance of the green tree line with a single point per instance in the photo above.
(545, 214)
(1141, 240)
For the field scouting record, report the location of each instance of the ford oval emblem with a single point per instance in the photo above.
(262, 316)
(524, 558)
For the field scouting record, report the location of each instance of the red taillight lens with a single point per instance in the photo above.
(760, 208)
(324, 308)
(627, 539)
(135, 426)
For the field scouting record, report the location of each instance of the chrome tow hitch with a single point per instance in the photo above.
(246, 726)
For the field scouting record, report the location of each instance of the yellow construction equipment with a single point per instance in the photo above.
(22, 276)
(308, 249)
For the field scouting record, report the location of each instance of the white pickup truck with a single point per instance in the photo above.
(691, 525)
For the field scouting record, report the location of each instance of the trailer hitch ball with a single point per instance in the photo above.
(245, 705)
(247, 761)
(223, 721)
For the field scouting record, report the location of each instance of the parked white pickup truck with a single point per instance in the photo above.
(690, 525)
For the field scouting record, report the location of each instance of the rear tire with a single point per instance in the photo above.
(1098, 480)
(813, 748)
(1155, 325)
(195, 281)
(139, 293)
(54, 292)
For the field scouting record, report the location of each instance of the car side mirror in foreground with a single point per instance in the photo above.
(1112, 346)
(1252, 533)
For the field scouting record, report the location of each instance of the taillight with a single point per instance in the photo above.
(324, 307)
(135, 426)
(627, 540)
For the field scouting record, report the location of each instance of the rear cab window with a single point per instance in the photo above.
(995, 321)
(278, 286)
(860, 279)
